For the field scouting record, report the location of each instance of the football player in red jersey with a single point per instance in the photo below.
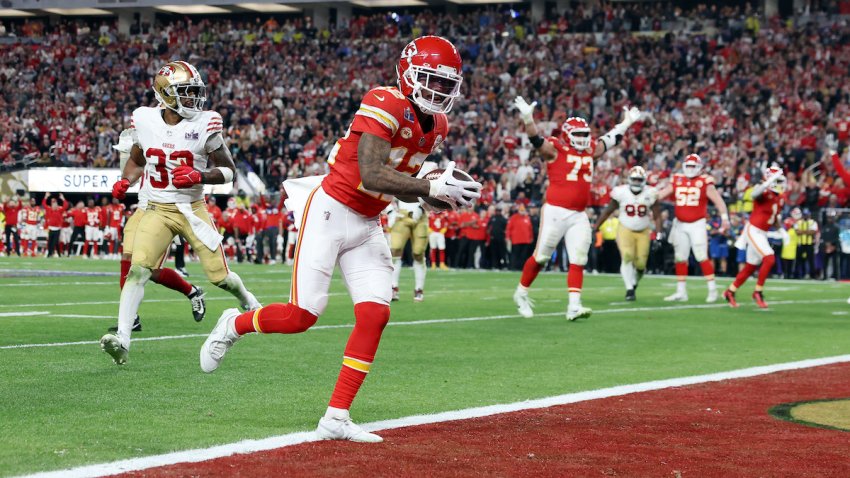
(692, 190)
(31, 216)
(569, 165)
(767, 202)
(93, 232)
(438, 225)
(114, 220)
(392, 133)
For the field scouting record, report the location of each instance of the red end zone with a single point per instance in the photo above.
(718, 429)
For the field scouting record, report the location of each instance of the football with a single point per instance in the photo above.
(434, 174)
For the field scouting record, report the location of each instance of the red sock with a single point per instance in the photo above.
(86, 248)
(96, 246)
(26, 245)
(529, 272)
(681, 270)
(575, 278)
(290, 251)
(125, 269)
(442, 256)
(433, 257)
(707, 269)
(111, 247)
(764, 271)
(371, 318)
(745, 274)
(275, 319)
(171, 279)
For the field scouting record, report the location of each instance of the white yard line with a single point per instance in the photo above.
(436, 321)
(281, 296)
(252, 446)
(22, 314)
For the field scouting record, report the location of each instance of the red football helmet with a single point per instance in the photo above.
(577, 132)
(430, 73)
(779, 185)
(692, 166)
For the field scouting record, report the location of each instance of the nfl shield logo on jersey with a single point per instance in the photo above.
(193, 135)
(408, 115)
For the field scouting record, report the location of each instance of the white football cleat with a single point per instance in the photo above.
(251, 303)
(712, 297)
(112, 345)
(677, 297)
(523, 303)
(222, 337)
(342, 428)
(579, 313)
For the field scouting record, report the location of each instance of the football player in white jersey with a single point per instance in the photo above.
(177, 148)
(411, 224)
(635, 200)
(163, 276)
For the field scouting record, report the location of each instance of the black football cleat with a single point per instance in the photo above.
(630, 295)
(199, 305)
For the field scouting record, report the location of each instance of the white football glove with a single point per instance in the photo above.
(659, 236)
(831, 142)
(454, 191)
(630, 116)
(526, 111)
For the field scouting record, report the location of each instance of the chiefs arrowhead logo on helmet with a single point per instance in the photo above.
(430, 72)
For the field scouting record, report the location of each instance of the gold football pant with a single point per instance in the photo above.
(156, 229)
(634, 246)
(404, 229)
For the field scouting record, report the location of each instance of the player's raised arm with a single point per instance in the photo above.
(603, 216)
(613, 137)
(377, 175)
(526, 114)
(839, 166)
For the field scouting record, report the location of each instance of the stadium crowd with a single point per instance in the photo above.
(740, 89)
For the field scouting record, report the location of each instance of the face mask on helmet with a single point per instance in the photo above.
(577, 133)
(434, 90)
(186, 100)
(637, 181)
(779, 186)
(692, 166)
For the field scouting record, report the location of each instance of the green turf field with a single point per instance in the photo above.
(68, 405)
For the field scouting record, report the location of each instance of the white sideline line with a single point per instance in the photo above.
(252, 446)
(436, 321)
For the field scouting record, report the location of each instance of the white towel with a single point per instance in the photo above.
(203, 231)
(297, 192)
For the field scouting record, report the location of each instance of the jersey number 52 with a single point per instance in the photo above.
(687, 196)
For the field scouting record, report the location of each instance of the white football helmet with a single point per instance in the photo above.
(692, 166)
(637, 179)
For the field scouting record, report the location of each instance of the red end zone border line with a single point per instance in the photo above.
(250, 446)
